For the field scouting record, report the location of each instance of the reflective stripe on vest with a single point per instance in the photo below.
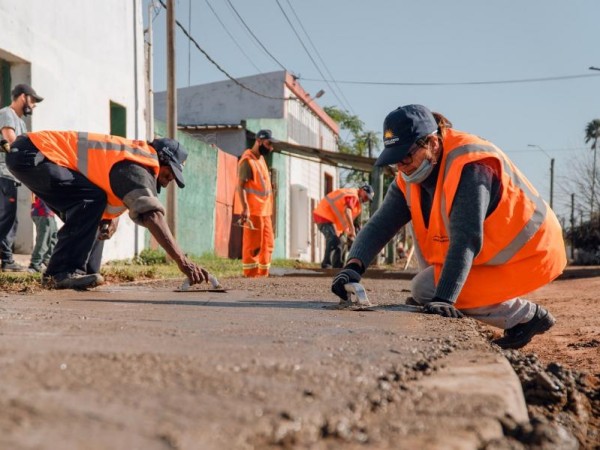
(338, 214)
(84, 145)
(530, 228)
(264, 191)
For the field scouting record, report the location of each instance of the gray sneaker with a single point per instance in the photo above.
(520, 335)
(72, 281)
(13, 267)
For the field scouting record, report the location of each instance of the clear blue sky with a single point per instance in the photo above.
(425, 41)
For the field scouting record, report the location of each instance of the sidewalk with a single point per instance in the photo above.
(269, 363)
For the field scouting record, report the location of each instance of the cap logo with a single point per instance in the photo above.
(389, 138)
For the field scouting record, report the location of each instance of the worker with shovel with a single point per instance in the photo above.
(335, 215)
(484, 237)
(89, 179)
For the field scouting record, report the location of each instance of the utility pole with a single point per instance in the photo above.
(572, 226)
(551, 171)
(171, 111)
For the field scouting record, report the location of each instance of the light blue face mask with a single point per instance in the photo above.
(421, 174)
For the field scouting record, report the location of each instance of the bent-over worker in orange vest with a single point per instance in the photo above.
(254, 204)
(89, 179)
(335, 215)
(483, 235)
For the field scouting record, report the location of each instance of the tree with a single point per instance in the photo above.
(360, 142)
(592, 133)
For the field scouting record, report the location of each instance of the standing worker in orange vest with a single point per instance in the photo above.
(484, 237)
(255, 206)
(89, 179)
(335, 215)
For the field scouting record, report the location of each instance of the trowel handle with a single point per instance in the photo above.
(211, 279)
(358, 291)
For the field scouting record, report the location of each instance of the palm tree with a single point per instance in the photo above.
(592, 133)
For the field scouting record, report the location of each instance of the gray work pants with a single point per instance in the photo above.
(502, 315)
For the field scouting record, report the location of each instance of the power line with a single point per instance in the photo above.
(218, 66)
(232, 37)
(461, 83)
(254, 36)
(308, 53)
(551, 150)
(319, 56)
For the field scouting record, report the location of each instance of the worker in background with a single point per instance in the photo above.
(334, 215)
(89, 179)
(254, 204)
(45, 235)
(484, 237)
(24, 101)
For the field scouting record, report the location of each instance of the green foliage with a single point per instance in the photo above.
(151, 257)
(361, 142)
(586, 239)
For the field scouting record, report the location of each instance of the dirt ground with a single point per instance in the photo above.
(573, 344)
(124, 361)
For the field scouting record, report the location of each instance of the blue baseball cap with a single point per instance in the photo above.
(172, 154)
(401, 129)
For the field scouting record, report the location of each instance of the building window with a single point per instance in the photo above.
(328, 183)
(5, 90)
(118, 120)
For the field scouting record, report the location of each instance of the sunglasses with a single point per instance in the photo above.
(419, 144)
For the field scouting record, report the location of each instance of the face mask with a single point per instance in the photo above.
(264, 151)
(421, 174)
(27, 110)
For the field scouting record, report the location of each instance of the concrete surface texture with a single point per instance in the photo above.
(271, 363)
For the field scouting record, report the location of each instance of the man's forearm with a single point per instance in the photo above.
(243, 198)
(158, 227)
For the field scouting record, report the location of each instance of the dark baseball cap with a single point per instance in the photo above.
(171, 153)
(265, 134)
(27, 90)
(401, 129)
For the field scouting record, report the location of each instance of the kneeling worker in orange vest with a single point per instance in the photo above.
(484, 237)
(254, 204)
(89, 179)
(335, 215)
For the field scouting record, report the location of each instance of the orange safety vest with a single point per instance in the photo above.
(333, 206)
(523, 247)
(259, 193)
(93, 155)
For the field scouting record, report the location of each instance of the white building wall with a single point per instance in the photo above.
(79, 55)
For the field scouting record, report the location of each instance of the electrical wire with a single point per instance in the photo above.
(319, 56)
(308, 53)
(219, 67)
(232, 37)
(461, 83)
(254, 36)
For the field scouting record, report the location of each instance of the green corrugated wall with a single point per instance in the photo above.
(195, 202)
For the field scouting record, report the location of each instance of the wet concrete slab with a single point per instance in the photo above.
(266, 364)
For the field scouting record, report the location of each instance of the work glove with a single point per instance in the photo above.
(351, 273)
(443, 308)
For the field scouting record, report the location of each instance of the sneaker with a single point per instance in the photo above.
(72, 281)
(13, 267)
(520, 335)
(34, 269)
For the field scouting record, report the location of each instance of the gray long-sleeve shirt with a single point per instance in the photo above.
(477, 196)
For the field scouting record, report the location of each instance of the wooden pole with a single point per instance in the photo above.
(171, 111)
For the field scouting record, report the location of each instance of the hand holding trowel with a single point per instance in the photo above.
(214, 283)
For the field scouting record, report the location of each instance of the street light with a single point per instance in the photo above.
(551, 171)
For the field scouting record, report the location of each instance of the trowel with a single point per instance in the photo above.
(357, 298)
(214, 283)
